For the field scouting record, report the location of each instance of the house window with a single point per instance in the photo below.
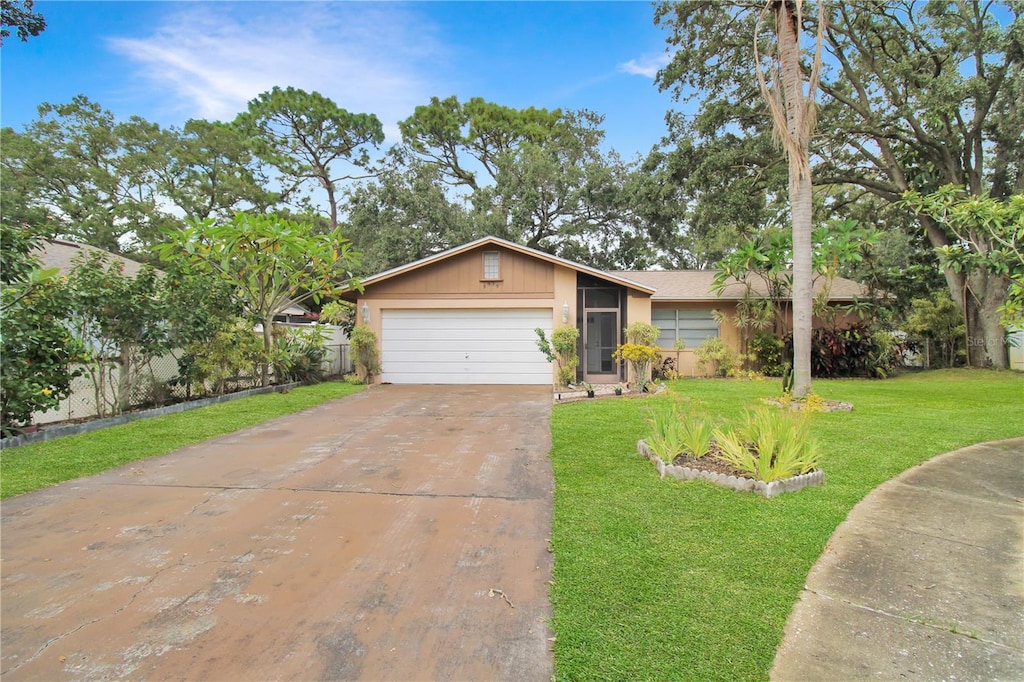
(692, 326)
(492, 268)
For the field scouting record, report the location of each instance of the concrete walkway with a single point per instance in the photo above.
(924, 579)
(397, 534)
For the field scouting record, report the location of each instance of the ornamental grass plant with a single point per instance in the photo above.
(770, 445)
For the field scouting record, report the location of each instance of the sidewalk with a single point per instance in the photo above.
(923, 580)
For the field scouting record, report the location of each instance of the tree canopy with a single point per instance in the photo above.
(914, 95)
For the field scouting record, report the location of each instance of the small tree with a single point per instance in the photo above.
(122, 321)
(562, 351)
(272, 262)
(234, 351)
(938, 321)
(639, 351)
(365, 353)
(37, 353)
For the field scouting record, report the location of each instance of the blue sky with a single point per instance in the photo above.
(171, 61)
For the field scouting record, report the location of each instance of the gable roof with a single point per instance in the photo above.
(613, 277)
(695, 285)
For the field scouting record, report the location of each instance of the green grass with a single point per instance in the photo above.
(35, 466)
(657, 579)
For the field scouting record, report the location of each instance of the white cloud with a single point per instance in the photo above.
(647, 65)
(208, 61)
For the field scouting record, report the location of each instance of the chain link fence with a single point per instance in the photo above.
(103, 392)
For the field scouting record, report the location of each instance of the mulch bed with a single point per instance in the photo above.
(709, 462)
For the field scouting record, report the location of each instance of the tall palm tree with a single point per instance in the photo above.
(793, 111)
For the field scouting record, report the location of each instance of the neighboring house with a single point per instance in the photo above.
(61, 254)
(468, 315)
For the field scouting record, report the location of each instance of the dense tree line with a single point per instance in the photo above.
(913, 96)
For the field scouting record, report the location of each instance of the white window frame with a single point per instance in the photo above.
(692, 325)
(491, 266)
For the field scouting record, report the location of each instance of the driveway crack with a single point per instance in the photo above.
(64, 635)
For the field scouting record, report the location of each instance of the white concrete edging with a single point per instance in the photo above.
(768, 489)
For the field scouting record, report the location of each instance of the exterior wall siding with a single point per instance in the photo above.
(463, 275)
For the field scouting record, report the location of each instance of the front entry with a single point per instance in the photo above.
(601, 336)
(600, 324)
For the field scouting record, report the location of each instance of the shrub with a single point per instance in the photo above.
(299, 355)
(851, 351)
(561, 350)
(363, 344)
(37, 353)
(715, 353)
(235, 351)
(771, 444)
(642, 334)
(640, 359)
(767, 350)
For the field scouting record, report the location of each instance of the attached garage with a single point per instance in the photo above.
(464, 346)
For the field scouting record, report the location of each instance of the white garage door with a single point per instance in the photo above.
(464, 346)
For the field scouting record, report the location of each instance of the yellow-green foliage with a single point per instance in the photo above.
(676, 430)
(770, 445)
(365, 353)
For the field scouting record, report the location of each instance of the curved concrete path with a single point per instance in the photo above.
(397, 534)
(923, 580)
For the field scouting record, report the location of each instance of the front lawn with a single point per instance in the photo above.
(30, 467)
(656, 579)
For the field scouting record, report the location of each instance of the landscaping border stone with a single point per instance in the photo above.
(46, 433)
(765, 488)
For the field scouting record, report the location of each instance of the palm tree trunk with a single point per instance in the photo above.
(797, 109)
(800, 207)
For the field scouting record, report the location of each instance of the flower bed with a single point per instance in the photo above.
(766, 488)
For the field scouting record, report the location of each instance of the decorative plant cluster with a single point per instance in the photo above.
(767, 445)
(363, 344)
(639, 351)
(562, 351)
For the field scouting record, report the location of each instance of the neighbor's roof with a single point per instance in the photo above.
(61, 254)
(692, 285)
(486, 241)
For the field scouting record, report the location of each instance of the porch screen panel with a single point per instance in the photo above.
(692, 326)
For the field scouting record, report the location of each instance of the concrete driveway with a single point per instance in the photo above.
(397, 534)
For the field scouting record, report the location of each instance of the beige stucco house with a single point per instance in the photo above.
(468, 315)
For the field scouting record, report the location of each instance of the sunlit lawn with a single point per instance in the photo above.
(656, 579)
(30, 467)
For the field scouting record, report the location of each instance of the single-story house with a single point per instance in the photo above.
(468, 315)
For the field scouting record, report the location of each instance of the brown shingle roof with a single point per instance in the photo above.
(695, 285)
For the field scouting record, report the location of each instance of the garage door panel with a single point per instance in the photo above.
(464, 346)
(464, 336)
(496, 357)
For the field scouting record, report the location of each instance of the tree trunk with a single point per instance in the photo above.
(986, 337)
(801, 210)
(979, 304)
(268, 345)
(800, 189)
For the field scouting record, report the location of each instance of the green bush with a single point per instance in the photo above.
(363, 344)
(768, 351)
(233, 352)
(37, 353)
(299, 355)
(714, 352)
(561, 349)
